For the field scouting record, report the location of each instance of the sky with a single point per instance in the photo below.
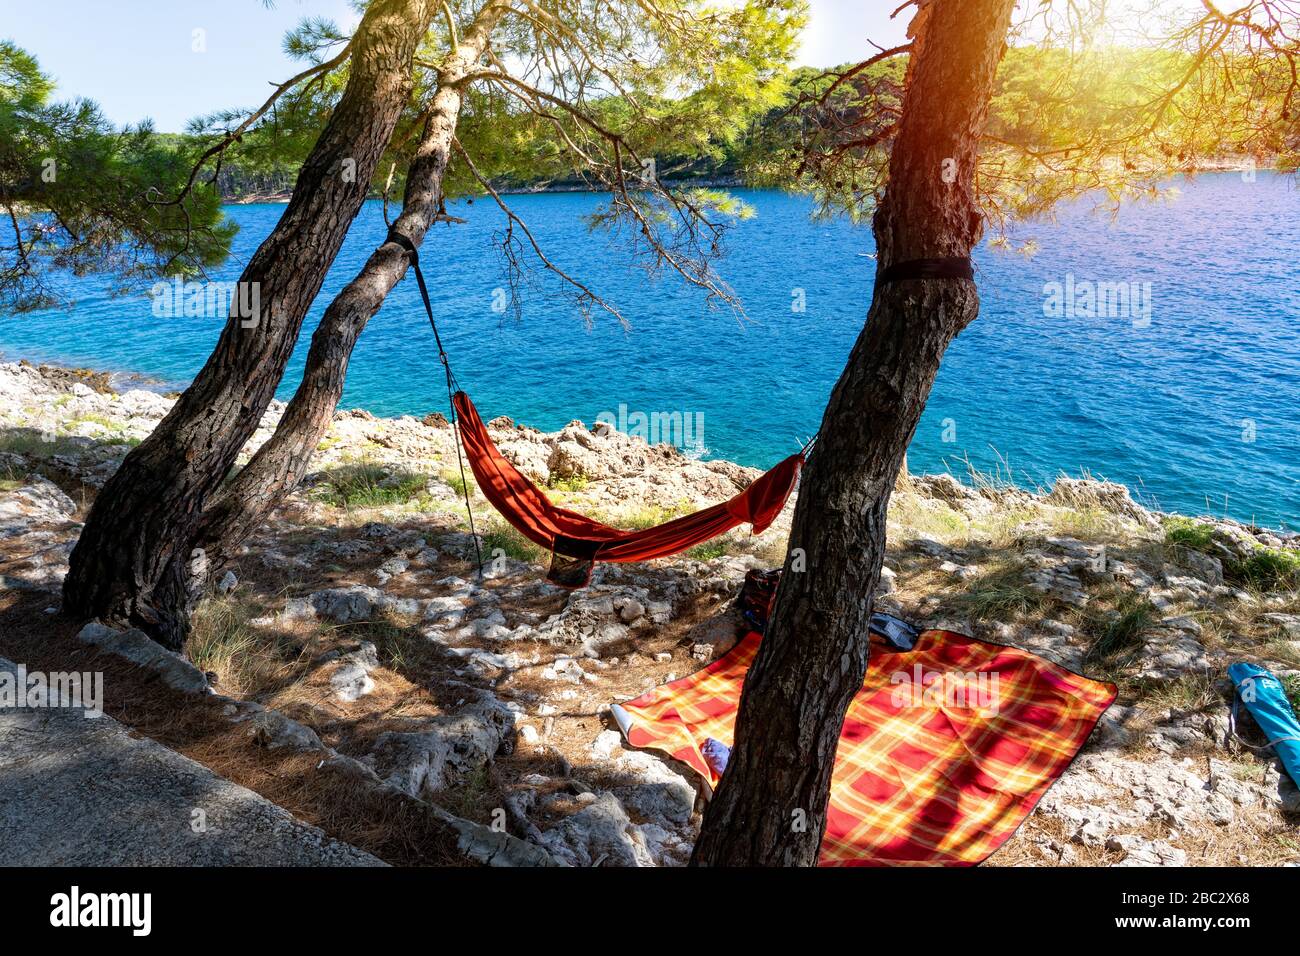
(178, 59)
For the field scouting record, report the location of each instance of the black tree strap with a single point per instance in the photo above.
(947, 267)
(413, 256)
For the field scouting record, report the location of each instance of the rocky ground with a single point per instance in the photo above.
(357, 613)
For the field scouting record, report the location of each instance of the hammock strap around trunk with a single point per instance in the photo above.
(413, 257)
(946, 267)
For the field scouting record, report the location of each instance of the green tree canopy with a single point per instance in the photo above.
(1085, 103)
(81, 197)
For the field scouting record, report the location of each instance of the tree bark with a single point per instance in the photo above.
(279, 465)
(770, 807)
(128, 565)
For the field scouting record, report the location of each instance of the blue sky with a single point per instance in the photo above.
(136, 58)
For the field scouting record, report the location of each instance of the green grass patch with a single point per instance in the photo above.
(1194, 692)
(1186, 533)
(1291, 684)
(14, 475)
(369, 486)
(511, 543)
(575, 483)
(220, 637)
(248, 662)
(473, 796)
(102, 421)
(1118, 635)
(1267, 569)
(397, 642)
(647, 517)
(921, 516)
(33, 444)
(709, 550)
(464, 487)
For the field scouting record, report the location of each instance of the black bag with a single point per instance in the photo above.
(758, 594)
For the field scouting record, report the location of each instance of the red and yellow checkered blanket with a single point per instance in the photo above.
(945, 749)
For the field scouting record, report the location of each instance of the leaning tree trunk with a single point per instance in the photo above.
(281, 462)
(126, 566)
(770, 808)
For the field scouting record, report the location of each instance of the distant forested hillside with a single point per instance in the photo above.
(1045, 106)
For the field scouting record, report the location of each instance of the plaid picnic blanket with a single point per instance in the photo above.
(945, 750)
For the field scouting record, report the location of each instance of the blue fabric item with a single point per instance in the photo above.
(715, 754)
(1265, 698)
(895, 630)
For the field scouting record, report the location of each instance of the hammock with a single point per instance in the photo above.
(575, 541)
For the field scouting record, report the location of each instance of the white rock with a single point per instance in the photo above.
(599, 834)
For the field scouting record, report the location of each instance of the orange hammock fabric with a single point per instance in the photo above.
(576, 541)
(944, 751)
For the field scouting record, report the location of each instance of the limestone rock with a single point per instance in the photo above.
(139, 648)
(274, 731)
(600, 834)
(1172, 654)
(352, 681)
(1084, 494)
(1139, 852)
(342, 605)
(448, 747)
(1205, 567)
(36, 500)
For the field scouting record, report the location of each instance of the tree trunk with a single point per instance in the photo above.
(128, 565)
(280, 464)
(770, 808)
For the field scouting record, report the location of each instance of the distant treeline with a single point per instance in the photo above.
(241, 180)
(1049, 103)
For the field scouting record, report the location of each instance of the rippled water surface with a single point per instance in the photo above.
(1194, 405)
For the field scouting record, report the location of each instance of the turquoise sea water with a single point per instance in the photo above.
(1193, 403)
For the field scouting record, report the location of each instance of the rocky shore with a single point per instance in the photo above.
(356, 616)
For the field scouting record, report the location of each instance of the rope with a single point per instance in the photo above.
(1232, 726)
(453, 386)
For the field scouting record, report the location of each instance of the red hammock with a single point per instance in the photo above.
(577, 542)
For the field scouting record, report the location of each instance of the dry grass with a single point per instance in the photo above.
(250, 663)
(1194, 692)
(914, 516)
(1000, 593)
